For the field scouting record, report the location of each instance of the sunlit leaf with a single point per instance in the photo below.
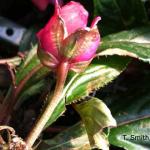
(96, 116)
(133, 43)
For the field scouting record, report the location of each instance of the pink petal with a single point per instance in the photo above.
(87, 46)
(89, 42)
(51, 36)
(74, 15)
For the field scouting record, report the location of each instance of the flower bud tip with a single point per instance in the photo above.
(95, 21)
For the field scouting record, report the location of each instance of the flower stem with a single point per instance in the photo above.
(62, 72)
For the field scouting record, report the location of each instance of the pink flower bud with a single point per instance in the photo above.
(74, 16)
(42, 4)
(66, 38)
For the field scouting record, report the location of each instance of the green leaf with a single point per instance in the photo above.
(27, 65)
(134, 43)
(132, 136)
(118, 15)
(96, 116)
(74, 138)
(94, 125)
(130, 107)
(30, 91)
(97, 75)
(33, 83)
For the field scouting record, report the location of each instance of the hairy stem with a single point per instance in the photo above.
(62, 72)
